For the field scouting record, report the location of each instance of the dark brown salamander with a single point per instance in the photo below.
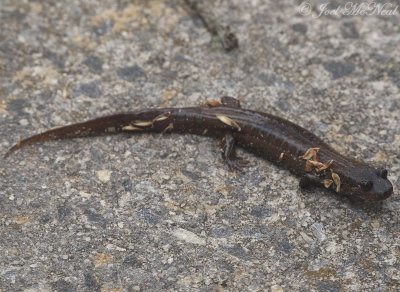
(274, 138)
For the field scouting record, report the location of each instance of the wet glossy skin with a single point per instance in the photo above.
(274, 138)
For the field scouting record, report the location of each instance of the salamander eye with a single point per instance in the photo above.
(366, 185)
(382, 172)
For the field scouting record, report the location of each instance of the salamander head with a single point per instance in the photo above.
(368, 183)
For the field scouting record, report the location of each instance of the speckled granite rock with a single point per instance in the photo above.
(130, 213)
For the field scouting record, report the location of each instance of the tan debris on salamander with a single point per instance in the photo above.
(310, 153)
(228, 121)
(169, 127)
(142, 123)
(161, 117)
(336, 179)
(158, 118)
(309, 166)
(327, 183)
(316, 164)
(326, 165)
(312, 161)
(131, 128)
(212, 103)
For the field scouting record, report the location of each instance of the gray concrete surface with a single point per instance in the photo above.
(130, 213)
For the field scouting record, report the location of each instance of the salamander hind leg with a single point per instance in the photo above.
(230, 101)
(229, 154)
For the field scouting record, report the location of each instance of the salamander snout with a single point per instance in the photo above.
(383, 191)
(374, 186)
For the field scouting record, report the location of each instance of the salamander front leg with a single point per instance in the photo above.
(308, 181)
(229, 155)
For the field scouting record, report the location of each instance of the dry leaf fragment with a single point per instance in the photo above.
(316, 163)
(228, 121)
(310, 153)
(336, 179)
(327, 183)
(325, 165)
(142, 123)
(169, 127)
(162, 117)
(130, 128)
(309, 166)
(212, 103)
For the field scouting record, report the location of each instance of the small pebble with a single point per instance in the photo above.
(23, 122)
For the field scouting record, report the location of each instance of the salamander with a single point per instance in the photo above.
(276, 139)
